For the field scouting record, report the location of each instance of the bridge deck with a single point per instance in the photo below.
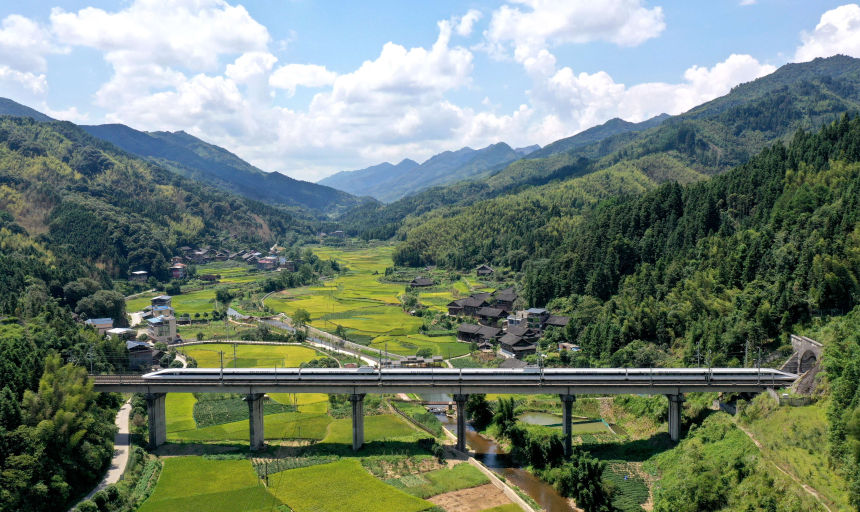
(519, 381)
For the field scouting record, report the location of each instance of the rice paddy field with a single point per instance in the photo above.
(197, 483)
(348, 486)
(368, 308)
(249, 356)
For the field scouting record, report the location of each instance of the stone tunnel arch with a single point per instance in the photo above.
(807, 361)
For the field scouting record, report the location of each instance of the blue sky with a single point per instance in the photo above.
(310, 88)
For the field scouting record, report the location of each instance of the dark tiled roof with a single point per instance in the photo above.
(422, 281)
(518, 330)
(513, 363)
(489, 332)
(558, 321)
(510, 339)
(474, 302)
(482, 295)
(469, 328)
(491, 312)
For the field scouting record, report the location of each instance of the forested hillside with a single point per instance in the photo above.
(707, 140)
(191, 157)
(109, 212)
(705, 269)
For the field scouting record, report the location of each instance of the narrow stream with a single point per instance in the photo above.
(488, 452)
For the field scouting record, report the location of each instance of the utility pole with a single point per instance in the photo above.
(235, 361)
(221, 354)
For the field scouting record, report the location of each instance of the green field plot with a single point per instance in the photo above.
(409, 344)
(376, 428)
(440, 481)
(199, 484)
(250, 356)
(140, 302)
(340, 486)
(289, 425)
(179, 411)
(216, 409)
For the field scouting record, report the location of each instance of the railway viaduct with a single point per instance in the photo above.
(566, 383)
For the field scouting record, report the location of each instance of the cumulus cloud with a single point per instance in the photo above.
(551, 22)
(581, 100)
(24, 44)
(189, 33)
(305, 75)
(467, 22)
(838, 31)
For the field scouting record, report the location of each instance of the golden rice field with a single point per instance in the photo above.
(368, 308)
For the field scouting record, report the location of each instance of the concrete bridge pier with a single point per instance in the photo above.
(157, 420)
(460, 400)
(675, 402)
(357, 401)
(255, 415)
(567, 431)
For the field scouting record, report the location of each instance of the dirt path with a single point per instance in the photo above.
(808, 488)
(471, 500)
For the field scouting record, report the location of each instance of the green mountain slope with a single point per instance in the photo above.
(194, 158)
(86, 199)
(191, 157)
(388, 182)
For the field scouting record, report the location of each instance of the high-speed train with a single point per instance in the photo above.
(484, 376)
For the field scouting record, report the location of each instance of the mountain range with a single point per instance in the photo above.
(189, 156)
(704, 141)
(387, 182)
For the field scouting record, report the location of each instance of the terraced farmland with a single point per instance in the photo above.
(368, 308)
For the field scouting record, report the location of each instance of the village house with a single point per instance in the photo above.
(162, 329)
(471, 333)
(524, 331)
(139, 275)
(490, 316)
(536, 317)
(421, 282)
(557, 321)
(514, 346)
(121, 333)
(178, 271)
(289, 265)
(505, 299)
(140, 355)
(177, 259)
(267, 263)
(484, 270)
(102, 325)
(338, 234)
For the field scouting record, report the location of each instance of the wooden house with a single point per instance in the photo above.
(421, 282)
(484, 270)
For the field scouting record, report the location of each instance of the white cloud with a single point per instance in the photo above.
(578, 101)
(747, 2)
(305, 75)
(21, 83)
(467, 22)
(552, 22)
(250, 65)
(192, 34)
(838, 31)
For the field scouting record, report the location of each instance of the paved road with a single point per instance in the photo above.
(120, 451)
